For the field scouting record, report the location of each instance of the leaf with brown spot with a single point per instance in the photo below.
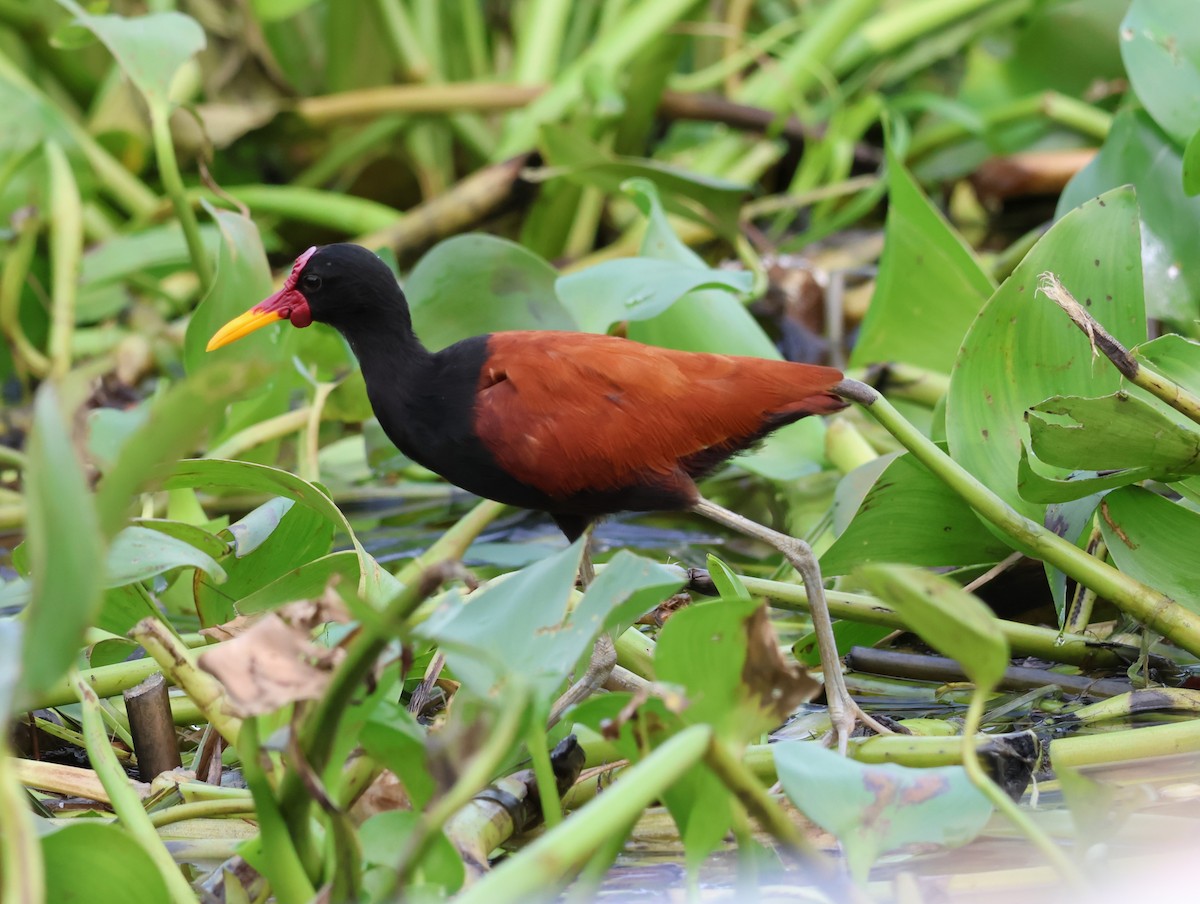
(779, 685)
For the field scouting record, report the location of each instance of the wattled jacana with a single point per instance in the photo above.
(574, 424)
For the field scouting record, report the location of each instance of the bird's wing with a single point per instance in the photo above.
(570, 412)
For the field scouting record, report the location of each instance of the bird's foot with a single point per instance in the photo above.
(845, 715)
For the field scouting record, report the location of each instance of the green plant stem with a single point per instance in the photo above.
(12, 282)
(318, 733)
(262, 432)
(281, 864)
(1004, 803)
(549, 860)
(179, 666)
(1133, 744)
(1025, 639)
(738, 778)
(539, 41)
(66, 249)
(453, 544)
(547, 785)
(746, 55)
(125, 801)
(476, 776)
(332, 210)
(342, 154)
(22, 872)
(1154, 609)
(1067, 111)
(168, 167)
(203, 809)
(889, 31)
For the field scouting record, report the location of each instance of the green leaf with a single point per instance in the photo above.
(1160, 44)
(11, 633)
(1114, 431)
(930, 286)
(951, 620)
(149, 49)
(90, 861)
(729, 585)
(177, 421)
(1136, 152)
(157, 250)
(1173, 356)
(138, 553)
(706, 320)
(1022, 349)
(302, 583)
(1150, 539)
(242, 279)
(637, 289)
(65, 548)
(1191, 166)
(506, 287)
(524, 625)
(873, 809)
(1038, 487)
(909, 515)
(276, 10)
(394, 738)
(383, 834)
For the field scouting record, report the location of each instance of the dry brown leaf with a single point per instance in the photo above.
(230, 629)
(271, 664)
(779, 683)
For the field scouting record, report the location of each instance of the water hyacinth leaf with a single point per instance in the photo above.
(1111, 432)
(109, 428)
(1022, 349)
(441, 866)
(638, 288)
(394, 738)
(725, 655)
(507, 287)
(1047, 488)
(270, 543)
(1138, 153)
(150, 49)
(1148, 537)
(156, 250)
(117, 869)
(1173, 356)
(177, 420)
(303, 582)
(242, 279)
(1160, 44)
(873, 809)
(930, 285)
(65, 548)
(909, 515)
(524, 626)
(205, 541)
(707, 320)
(729, 585)
(954, 622)
(138, 553)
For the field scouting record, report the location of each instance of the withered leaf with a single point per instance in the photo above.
(777, 684)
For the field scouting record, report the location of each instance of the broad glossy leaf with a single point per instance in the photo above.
(109, 428)
(909, 515)
(1038, 487)
(637, 288)
(506, 287)
(150, 49)
(138, 553)
(1160, 44)
(729, 585)
(523, 625)
(89, 860)
(1115, 431)
(1191, 166)
(65, 547)
(706, 320)
(302, 583)
(1173, 356)
(381, 835)
(242, 280)
(177, 420)
(395, 739)
(930, 286)
(1137, 152)
(951, 620)
(875, 809)
(1153, 540)
(1022, 349)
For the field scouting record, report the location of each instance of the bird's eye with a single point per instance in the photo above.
(310, 282)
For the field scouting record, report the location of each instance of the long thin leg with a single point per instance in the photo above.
(604, 654)
(844, 713)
